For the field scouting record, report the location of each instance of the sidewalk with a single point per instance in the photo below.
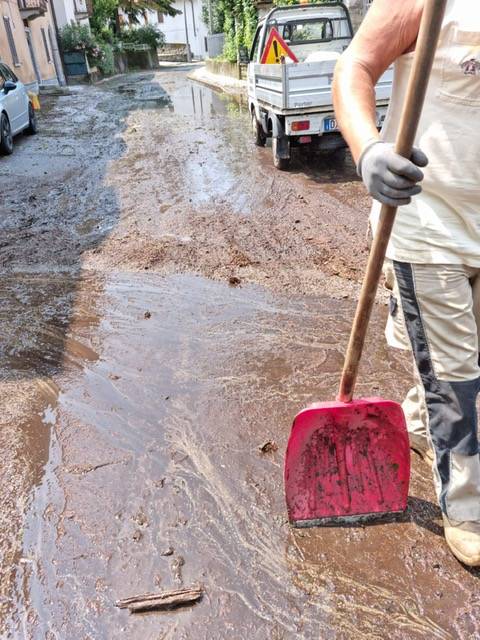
(220, 82)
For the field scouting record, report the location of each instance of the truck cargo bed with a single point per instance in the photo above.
(302, 87)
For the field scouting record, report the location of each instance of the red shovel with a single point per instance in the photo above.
(349, 460)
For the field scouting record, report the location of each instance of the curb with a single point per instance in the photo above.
(211, 82)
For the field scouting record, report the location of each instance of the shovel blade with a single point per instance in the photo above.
(347, 462)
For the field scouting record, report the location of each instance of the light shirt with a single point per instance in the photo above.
(442, 224)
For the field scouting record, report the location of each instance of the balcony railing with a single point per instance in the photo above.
(30, 9)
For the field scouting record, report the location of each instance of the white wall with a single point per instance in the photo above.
(64, 12)
(174, 27)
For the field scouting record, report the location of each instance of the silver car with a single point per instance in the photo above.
(16, 109)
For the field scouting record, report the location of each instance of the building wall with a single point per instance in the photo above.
(25, 69)
(174, 27)
(68, 11)
(64, 11)
(46, 61)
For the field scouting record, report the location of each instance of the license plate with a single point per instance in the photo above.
(330, 124)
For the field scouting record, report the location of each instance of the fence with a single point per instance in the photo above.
(214, 44)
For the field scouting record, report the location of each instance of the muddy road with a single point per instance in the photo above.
(169, 301)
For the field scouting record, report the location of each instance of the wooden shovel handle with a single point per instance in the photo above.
(427, 41)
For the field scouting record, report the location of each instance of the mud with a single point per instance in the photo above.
(169, 302)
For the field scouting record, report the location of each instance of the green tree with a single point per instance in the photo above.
(218, 15)
(105, 12)
(237, 19)
(103, 15)
(136, 8)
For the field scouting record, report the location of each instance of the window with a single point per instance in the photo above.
(255, 45)
(11, 41)
(160, 17)
(45, 44)
(308, 31)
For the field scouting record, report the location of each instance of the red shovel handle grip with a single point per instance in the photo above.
(425, 49)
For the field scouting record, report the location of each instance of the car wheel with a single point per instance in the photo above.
(32, 120)
(259, 137)
(6, 138)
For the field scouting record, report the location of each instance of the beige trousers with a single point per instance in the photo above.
(435, 312)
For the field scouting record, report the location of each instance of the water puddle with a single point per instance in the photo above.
(190, 99)
(156, 479)
(151, 92)
(206, 161)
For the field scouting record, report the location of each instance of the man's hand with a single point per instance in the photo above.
(390, 178)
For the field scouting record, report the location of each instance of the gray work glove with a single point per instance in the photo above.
(390, 178)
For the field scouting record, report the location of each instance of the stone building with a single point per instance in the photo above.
(28, 42)
(188, 25)
(68, 11)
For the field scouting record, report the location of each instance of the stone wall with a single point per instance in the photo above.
(223, 68)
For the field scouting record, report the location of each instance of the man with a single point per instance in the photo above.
(433, 259)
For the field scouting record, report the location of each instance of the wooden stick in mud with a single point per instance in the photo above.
(162, 600)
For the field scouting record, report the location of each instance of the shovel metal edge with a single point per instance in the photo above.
(335, 521)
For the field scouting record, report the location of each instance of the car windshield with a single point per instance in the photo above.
(320, 30)
(308, 36)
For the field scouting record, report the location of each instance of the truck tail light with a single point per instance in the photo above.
(301, 125)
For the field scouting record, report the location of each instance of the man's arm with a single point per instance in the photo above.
(389, 30)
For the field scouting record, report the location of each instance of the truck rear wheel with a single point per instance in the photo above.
(281, 153)
(259, 136)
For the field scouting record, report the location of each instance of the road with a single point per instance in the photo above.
(169, 302)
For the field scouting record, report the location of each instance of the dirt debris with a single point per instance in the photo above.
(163, 600)
(270, 446)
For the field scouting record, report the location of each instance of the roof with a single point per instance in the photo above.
(285, 14)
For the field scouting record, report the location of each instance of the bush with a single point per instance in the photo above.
(106, 36)
(149, 34)
(239, 25)
(77, 37)
(106, 63)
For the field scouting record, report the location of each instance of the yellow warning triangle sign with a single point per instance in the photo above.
(276, 49)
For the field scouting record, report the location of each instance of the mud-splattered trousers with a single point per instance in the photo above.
(435, 311)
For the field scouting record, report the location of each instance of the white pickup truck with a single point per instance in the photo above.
(291, 102)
